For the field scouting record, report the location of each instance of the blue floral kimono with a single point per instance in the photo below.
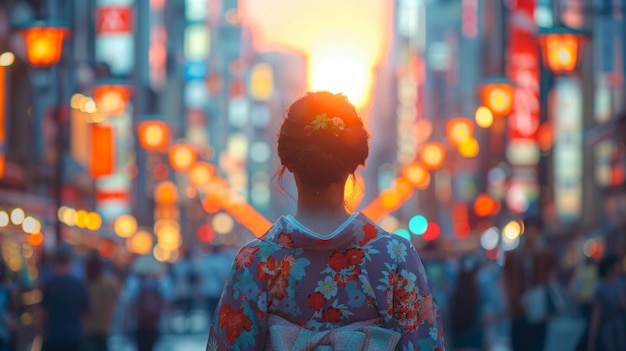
(359, 288)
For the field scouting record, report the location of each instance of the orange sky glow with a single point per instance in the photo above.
(343, 40)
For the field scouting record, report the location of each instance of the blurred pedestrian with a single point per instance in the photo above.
(607, 327)
(103, 290)
(582, 288)
(183, 276)
(65, 303)
(145, 298)
(528, 273)
(214, 270)
(7, 316)
(466, 302)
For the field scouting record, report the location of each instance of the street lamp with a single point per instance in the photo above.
(44, 44)
(111, 96)
(561, 48)
(44, 41)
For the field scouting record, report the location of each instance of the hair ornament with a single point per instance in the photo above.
(322, 121)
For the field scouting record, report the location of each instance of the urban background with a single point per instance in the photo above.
(138, 130)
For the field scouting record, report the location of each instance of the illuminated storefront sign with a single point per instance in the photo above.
(523, 124)
(568, 148)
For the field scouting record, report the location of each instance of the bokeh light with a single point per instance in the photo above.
(17, 216)
(432, 155)
(432, 232)
(483, 117)
(94, 221)
(469, 148)
(511, 230)
(490, 238)
(223, 223)
(125, 225)
(4, 219)
(418, 224)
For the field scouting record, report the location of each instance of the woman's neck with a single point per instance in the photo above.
(321, 205)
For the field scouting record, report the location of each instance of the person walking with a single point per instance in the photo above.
(326, 278)
(606, 330)
(8, 319)
(65, 303)
(466, 306)
(528, 273)
(103, 290)
(146, 298)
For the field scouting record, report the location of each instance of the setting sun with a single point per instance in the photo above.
(340, 71)
(343, 41)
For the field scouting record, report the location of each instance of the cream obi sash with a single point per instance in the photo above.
(360, 336)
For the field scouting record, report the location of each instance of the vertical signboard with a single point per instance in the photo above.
(113, 191)
(524, 71)
(114, 35)
(102, 153)
(568, 135)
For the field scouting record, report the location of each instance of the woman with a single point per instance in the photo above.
(326, 277)
(103, 292)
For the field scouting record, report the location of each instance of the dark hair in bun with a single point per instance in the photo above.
(325, 155)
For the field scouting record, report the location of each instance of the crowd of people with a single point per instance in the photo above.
(85, 299)
(514, 302)
(529, 300)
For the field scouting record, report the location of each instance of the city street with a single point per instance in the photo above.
(453, 168)
(168, 342)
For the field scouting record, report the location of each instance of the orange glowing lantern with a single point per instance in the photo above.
(35, 239)
(561, 48)
(469, 148)
(432, 155)
(416, 174)
(111, 96)
(497, 95)
(485, 205)
(102, 160)
(182, 157)
(140, 243)
(166, 193)
(458, 130)
(44, 42)
(200, 174)
(154, 135)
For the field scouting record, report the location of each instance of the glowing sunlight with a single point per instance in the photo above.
(340, 71)
(343, 41)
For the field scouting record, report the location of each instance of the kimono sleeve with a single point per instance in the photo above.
(415, 311)
(240, 319)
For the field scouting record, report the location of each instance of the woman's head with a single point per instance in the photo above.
(322, 139)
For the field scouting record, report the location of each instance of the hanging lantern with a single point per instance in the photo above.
(200, 174)
(154, 135)
(111, 96)
(182, 157)
(458, 130)
(561, 48)
(44, 42)
(166, 193)
(497, 95)
(432, 155)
